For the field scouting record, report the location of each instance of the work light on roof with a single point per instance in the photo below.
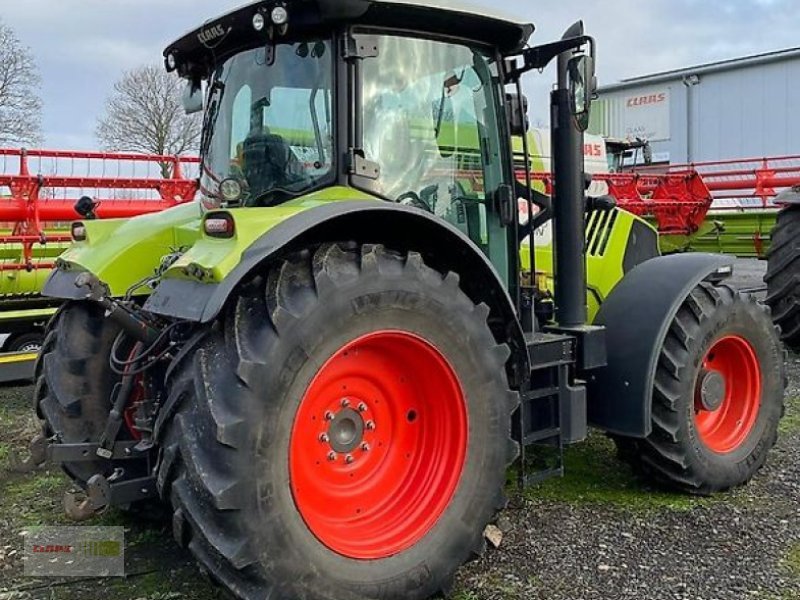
(259, 21)
(172, 62)
(280, 16)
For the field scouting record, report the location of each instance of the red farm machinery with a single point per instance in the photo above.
(742, 207)
(723, 206)
(41, 193)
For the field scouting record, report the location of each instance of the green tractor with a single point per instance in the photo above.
(325, 367)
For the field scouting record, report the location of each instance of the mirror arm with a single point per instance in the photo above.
(539, 57)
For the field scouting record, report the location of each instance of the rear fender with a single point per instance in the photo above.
(401, 228)
(637, 315)
(122, 252)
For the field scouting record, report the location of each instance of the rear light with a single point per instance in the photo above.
(78, 232)
(219, 225)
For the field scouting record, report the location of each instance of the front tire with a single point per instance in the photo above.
(717, 396)
(344, 433)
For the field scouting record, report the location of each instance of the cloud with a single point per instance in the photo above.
(82, 46)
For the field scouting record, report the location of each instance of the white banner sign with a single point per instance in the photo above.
(646, 115)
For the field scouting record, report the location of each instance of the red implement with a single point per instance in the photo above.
(39, 189)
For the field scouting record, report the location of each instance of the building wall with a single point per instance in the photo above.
(735, 113)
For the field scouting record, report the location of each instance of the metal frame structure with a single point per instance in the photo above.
(38, 202)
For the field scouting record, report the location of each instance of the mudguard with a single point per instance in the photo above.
(637, 315)
(444, 248)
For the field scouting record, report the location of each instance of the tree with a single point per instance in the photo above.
(20, 105)
(145, 114)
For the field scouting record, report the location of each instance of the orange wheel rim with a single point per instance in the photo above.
(378, 445)
(727, 394)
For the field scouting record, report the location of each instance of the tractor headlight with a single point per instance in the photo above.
(172, 61)
(230, 190)
(280, 16)
(259, 21)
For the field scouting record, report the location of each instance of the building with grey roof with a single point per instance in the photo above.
(741, 108)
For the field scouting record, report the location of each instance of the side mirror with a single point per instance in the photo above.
(581, 89)
(192, 98)
(517, 110)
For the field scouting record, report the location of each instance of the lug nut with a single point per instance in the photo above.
(362, 407)
(349, 459)
(365, 447)
(370, 425)
(331, 456)
(345, 402)
(323, 437)
(328, 415)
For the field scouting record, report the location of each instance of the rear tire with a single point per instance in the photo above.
(238, 452)
(706, 438)
(783, 275)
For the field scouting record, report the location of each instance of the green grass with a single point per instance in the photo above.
(792, 560)
(164, 584)
(593, 474)
(35, 499)
(502, 587)
(465, 595)
(790, 424)
(5, 449)
(8, 416)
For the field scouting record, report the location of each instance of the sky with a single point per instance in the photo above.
(82, 46)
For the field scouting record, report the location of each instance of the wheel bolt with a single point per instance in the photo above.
(365, 447)
(331, 456)
(328, 415)
(345, 402)
(323, 437)
(370, 425)
(349, 459)
(362, 407)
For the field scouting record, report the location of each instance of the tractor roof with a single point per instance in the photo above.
(217, 38)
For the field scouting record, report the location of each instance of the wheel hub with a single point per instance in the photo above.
(727, 394)
(710, 390)
(346, 431)
(378, 445)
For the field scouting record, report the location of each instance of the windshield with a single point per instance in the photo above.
(269, 124)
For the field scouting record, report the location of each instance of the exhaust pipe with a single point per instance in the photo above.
(568, 199)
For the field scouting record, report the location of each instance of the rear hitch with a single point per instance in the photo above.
(102, 492)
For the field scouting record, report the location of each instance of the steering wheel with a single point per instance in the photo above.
(413, 199)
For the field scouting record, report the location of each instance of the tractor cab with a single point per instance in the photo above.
(405, 102)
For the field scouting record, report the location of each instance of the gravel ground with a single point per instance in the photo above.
(589, 536)
(597, 533)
